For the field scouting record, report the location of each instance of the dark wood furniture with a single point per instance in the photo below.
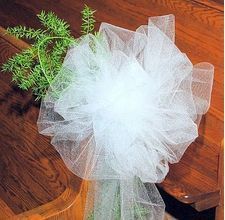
(32, 173)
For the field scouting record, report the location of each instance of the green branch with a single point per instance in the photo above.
(36, 67)
(88, 20)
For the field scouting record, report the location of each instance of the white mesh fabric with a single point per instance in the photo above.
(121, 110)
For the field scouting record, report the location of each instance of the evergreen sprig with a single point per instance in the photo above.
(35, 68)
(88, 20)
(23, 32)
(54, 24)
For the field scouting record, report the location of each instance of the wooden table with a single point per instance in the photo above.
(32, 173)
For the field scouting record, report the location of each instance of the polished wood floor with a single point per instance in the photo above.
(26, 157)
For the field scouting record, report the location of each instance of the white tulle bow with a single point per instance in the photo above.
(123, 106)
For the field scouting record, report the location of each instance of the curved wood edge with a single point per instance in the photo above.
(220, 207)
(198, 198)
(62, 207)
(19, 44)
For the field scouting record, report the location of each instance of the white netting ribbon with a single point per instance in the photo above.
(123, 106)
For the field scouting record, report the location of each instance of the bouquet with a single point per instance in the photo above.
(120, 107)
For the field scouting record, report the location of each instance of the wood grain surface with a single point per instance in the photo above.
(28, 157)
(31, 171)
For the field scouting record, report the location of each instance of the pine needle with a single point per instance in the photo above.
(36, 67)
(88, 20)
